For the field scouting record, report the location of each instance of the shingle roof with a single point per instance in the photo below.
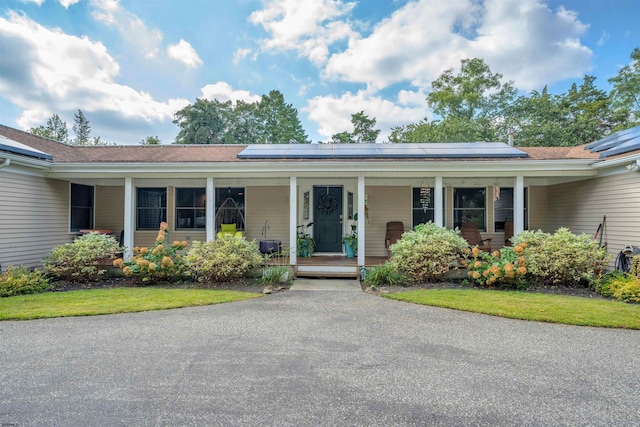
(63, 153)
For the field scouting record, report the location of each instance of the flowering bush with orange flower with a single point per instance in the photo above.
(163, 262)
(505, 268)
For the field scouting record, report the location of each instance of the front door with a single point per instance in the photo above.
(327, 218)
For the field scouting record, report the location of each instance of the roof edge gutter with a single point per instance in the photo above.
(616, 162)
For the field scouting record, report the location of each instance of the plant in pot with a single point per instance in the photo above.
(304, 242)
(350, 241)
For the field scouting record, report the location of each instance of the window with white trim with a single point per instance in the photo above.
(81, 210)
(190, 208)
(469, 205)
(151, 208)
(424, 205)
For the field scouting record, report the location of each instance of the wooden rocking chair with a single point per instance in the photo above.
(469, 231)
(395, 229)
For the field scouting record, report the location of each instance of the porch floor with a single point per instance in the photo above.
(338, 261)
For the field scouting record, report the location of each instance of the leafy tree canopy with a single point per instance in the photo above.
(268, 121)
(363, 131)
(54, 129)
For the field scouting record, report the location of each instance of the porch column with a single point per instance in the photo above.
(293, 220)
(361, 220)
(211, 214)
(129, 222)
(518, 205)
(438, 218)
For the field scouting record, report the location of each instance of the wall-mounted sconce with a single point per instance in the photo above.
(635, 166)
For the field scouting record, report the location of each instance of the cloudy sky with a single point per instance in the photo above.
(129, 65)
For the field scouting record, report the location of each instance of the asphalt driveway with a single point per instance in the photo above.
(309, 358)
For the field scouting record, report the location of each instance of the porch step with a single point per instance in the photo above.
(326, 271)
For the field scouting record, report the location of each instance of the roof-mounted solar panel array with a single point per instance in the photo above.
(618, 143)
(15, 147)
(462, 150)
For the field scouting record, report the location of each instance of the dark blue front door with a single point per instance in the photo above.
(327, 218)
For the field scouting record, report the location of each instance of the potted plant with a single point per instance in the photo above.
(350, 241)
(304, 242)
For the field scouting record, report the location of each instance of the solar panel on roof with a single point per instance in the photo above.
(618, 143)
(11, 146)
(373, 151)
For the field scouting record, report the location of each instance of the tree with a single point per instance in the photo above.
(472, 105)
(203, 122)
(280, 122)
(81, 128)
(54, 129)
(626, 89)
(363, 131)
(151, 140)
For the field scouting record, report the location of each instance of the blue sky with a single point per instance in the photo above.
(129, 65)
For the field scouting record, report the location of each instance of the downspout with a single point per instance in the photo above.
(7, 162)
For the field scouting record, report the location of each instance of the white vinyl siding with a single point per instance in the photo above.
(581, 206)
(268, 204)
(385, 204)
(34, 218)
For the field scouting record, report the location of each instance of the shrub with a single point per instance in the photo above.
(563, 257)
(274, 275)
(622, 286)
(80, 260)
(162, 262)
(223, 259)
(428, 252)
(385, 275)
(505, 268)
(21, 281)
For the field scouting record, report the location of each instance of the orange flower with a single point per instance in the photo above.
(476, 275)
(160, 237)
(167, 262)
(127, 270)
(470, 273)
(152, 266)
(496, 253)
(508, 267)
(164, 226)
(522, 270)
(518, 249)
(176, 244)
(477, 264)
(184, 243)
(118, 263)
(475, 251)
(144, 251)
(524, 244)
(136, 249)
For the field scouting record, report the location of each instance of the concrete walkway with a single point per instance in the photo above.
(326, 285)
(310, 358)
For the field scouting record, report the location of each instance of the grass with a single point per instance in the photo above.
(530, 306)
(111, 301)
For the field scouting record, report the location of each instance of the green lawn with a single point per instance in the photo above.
(110, 301)
(530, 306)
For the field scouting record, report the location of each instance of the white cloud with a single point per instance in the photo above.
(333, 114)
(47, 71)
(240, 54)
(185, 53)
(308, 27)
(223, 92)
(522, 39)
(131, 28)
(67, 3)
(37, 2)
(603, 38)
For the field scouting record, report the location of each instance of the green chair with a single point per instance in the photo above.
(228, 230)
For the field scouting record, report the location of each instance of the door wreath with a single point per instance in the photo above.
(327, 204)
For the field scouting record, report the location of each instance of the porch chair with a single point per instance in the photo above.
(508, 232)
(469, 231)
(393, 234)
(228, 230)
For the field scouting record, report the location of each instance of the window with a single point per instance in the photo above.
(81, 207)
(230, 207)
(152, 208)
(190, 208)
(469, 204)
(424, 205)
(503, 208)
